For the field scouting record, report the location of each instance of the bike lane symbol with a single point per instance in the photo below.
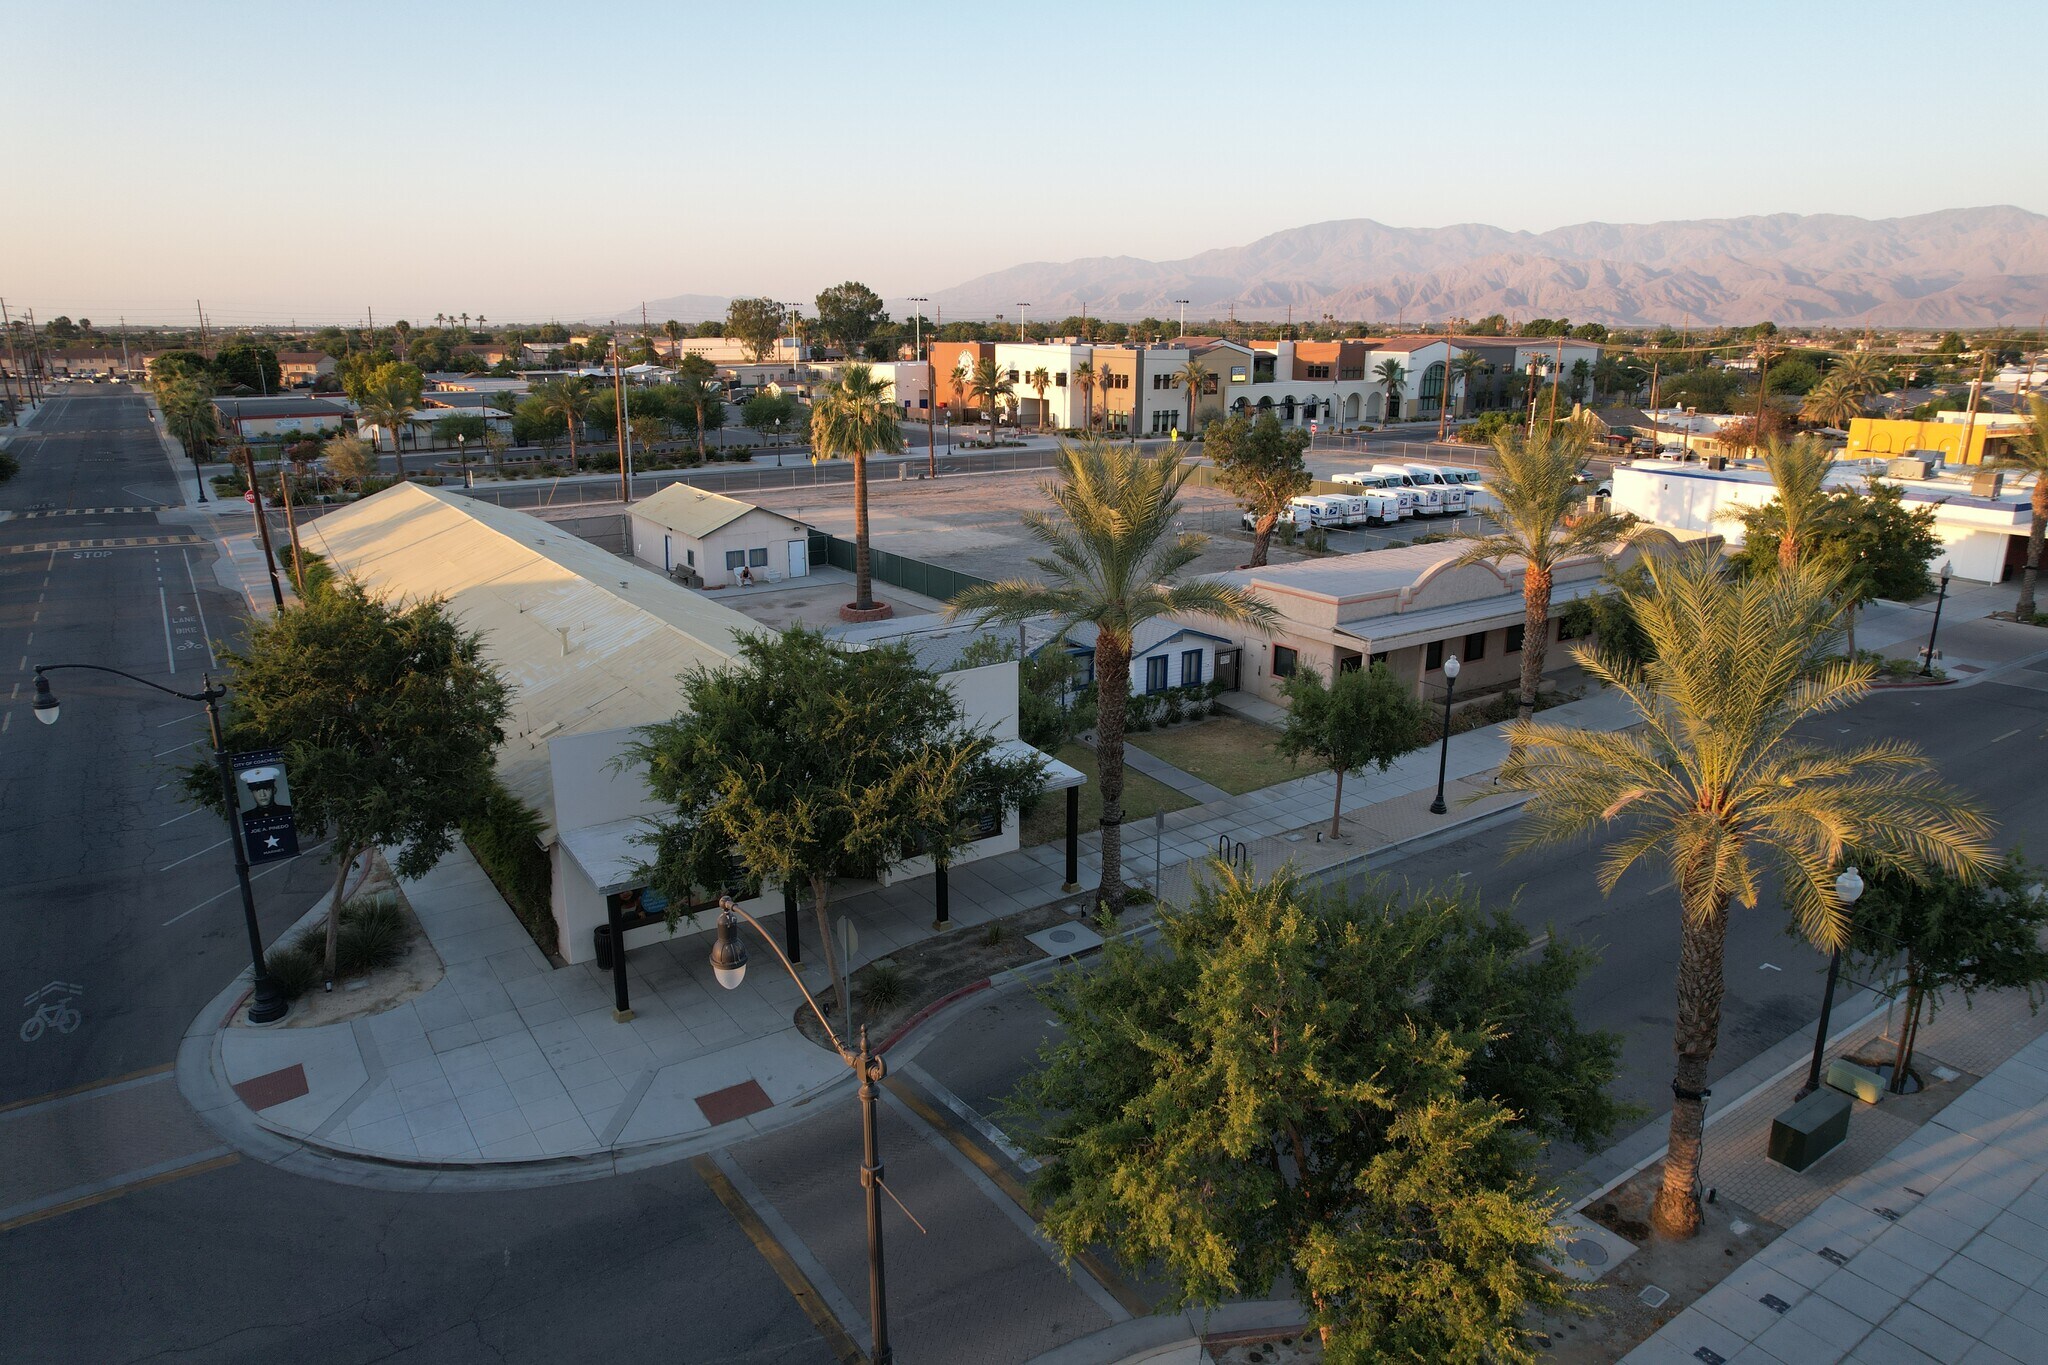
(53, 1009)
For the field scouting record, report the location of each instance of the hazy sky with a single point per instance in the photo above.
(303, 160)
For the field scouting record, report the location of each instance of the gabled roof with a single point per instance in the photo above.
(588, 640)
(696, 513)
(235, 409)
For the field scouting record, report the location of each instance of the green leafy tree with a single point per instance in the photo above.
(387, 715)
(566, 400)
(1879, 546)
(1345, 1091)
(391, 395)
(1830, 403)
(991, 387)
(1803, 508)
(849, 314)
(465, 431)
(1262, 464)
(700, 397)
(805, 763)
(854, 419)
(1716, 784)
(2028, 450)
(1536, 516)
(755, 323)
(673, 330)
(349, 459)
(1945, 933)
(248, 366)
(1857, 374)
(773, 415)
(1364, 718)
(186, 400)
(533, 423)
(1113, 561)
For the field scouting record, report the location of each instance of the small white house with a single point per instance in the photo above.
(712, 541)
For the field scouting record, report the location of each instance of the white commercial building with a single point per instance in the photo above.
(711, 541)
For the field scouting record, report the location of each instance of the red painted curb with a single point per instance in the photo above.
(1253, 1336)
(1896, 684)
(929, 1010)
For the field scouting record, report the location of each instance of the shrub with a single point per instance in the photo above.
(373, 934)
(9, 466)
(296, 969)
(994, 933)
(883, 984)
(1171, 708)
(505, 837)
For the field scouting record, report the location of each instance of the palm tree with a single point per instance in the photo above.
(568, 399)
(854, 419)
(1831, 403)
(1466, 366)
(961, 374)
(1391, 373)
(2029, 450)
(1084, 379)
(1799, 471)
(1858, 373)
(1192, 377)
(1040, 380)
(698, 393)
(1715, 781)
(990, 386)
(673, 330)
(1112, 563)
(390, 402)
(1538, 517)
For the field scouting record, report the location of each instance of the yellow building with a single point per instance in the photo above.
(1886, 436)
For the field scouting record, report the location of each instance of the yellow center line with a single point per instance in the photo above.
(102, 1196)
(793, 1279)
(82, 1089)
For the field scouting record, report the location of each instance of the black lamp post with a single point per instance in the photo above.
(1927, 664)
(1848, 887)
(268, 1004)
(729, 965)
(1443, 757)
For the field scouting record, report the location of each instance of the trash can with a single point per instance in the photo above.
(601, 939)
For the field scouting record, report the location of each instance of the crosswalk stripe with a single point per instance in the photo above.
(105, 543)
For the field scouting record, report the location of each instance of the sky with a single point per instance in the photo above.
(311, 161)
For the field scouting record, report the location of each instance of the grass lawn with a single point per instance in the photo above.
(1225, 751)
(1142, 796)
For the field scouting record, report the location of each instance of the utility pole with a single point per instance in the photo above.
(1976, 396)
(621, 416)
(263, 522)
(124, 348)
(13, 358)
(35, 358)
(931, 388)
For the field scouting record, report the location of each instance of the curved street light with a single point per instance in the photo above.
(1848, 888)
(729, 966)
(267, 1004)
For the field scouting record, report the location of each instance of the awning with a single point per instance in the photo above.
(1058, 776)
(1404, 630)
(611, 854)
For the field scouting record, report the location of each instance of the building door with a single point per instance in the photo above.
(1226, 669)
(799, 558)
(667, 559)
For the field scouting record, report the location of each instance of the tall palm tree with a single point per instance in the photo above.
(1113, 560)
(1799, 471)
(857, 418)
(1040, 380)
(389, 402)
(1466, 366)
(1538, 517)
(673, 330)
(1859, 373)
(1084, 379)
(1715, 783)
(1192, 377)
(1393, 374)
(699, 394)
(961, 375)
(991, 385)
(2029, 450)
(569, 399)
(1831, 403)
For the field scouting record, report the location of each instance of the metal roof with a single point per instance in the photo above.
(588, 641)
(696, 513)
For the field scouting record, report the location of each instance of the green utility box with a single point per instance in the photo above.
(1810, 1129)
(1856, 1081)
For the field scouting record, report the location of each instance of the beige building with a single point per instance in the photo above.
(304, 369)
(710, 541)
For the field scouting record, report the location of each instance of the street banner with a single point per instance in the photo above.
(264, 806)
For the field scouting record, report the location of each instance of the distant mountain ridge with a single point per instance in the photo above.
(1958, 267)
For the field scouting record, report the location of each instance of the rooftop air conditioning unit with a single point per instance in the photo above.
(1909, 467)
(1988, 484)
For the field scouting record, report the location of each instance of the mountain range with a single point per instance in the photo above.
(1958, 267)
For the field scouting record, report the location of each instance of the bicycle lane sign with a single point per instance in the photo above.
(53, 1010)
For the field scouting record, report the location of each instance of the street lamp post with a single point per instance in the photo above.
(1020, 320)
(1848, 887)
(729, 965)
(1183, 316)
(1927, 664)
(268, 1004)
(931, 389)
(1443, 757)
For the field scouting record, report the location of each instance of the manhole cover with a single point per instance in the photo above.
(1587, 1250)
(1061, 935)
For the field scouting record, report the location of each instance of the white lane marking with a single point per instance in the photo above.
(166, 753)
(199, 605)
(2000, 740)
(176, 818)
(969, 1115)
(218, 843)
(167, 724)
(164, 605)
(253, 878)
(6, 721)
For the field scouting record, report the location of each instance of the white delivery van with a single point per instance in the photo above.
(1460, 474)
(1429, 499)
(1455, 498)
(1385, 484)
(1327, 510)
(1298, 515)
(1375, 505)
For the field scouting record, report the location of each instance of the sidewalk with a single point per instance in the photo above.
(507, 1061)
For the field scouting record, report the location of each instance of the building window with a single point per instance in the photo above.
(735, 559)
(1433, 657)
(1190, 667)
(1351, 372)
(1284, 661)
(1013, 376)
(1165, 381)
(1315, 372)
(1155, 673)
(1059, 381)
(690, 558)
(1475, 646)
(1515, 634)
(1084, 663)
(757, 559)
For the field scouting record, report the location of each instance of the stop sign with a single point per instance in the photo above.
(249, 497)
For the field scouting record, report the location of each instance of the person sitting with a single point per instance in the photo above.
(746, 577)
